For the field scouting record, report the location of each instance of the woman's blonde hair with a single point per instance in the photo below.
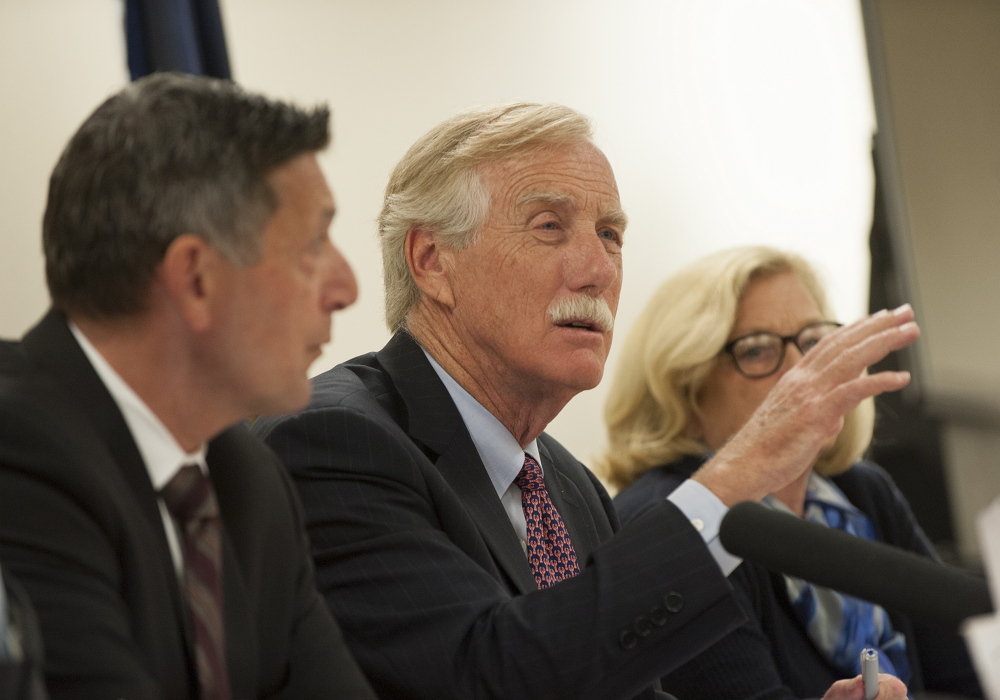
(673, 346)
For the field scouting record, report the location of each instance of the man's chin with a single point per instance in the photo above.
(586, 375)
(291, 401)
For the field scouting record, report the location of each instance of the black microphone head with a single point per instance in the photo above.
(891, 577)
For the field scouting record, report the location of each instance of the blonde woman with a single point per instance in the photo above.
(709, 346)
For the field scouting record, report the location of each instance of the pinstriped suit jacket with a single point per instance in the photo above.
(81, 530)
(422, 568)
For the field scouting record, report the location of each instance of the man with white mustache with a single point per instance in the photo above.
(466, 553)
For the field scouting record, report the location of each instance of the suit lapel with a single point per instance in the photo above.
(435, 423)
(242, 643)
(465, 473)
(53, 348)
(571, 505)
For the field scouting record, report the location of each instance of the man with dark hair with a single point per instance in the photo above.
(466, 553)
(192, 279)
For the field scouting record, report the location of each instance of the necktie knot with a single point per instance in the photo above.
(189, 496)
(530, 476)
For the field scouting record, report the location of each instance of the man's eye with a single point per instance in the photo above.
(608, 234)
(550, 226)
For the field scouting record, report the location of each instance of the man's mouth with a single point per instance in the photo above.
(582, 324)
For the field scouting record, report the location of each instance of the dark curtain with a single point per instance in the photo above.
(175, 35)
(907, 442)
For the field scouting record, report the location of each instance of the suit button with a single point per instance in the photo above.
(673, 602)
(628, 639)
(658, 616)
(642, 626)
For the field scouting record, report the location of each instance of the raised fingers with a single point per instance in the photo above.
(845, 354)
(847, 395)
(874, 323)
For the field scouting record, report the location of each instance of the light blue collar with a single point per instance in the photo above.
(501, 454)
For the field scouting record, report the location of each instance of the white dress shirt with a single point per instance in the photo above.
(503, 458)
(160, 451)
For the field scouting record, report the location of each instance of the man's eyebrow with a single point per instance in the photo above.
(615, 217)
(546, 198)
(612, 217)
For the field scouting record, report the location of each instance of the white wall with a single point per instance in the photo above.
(58, 60)
(728, 122)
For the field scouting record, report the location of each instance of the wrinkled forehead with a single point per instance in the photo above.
(574, 176)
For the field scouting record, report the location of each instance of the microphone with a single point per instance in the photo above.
(896, 579)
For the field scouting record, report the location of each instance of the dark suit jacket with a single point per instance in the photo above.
(81, 530)
(771, 656)
(419, 562)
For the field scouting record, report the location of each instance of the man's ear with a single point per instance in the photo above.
(191, 273)
(430, 263)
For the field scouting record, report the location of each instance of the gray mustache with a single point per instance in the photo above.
(593, 310)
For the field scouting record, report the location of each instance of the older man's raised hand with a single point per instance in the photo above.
(806, 408)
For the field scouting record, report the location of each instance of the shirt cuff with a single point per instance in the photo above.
(705, 511)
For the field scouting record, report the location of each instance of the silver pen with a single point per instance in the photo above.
(869, 672)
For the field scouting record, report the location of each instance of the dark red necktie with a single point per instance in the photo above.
(550, 551)
(190, 498)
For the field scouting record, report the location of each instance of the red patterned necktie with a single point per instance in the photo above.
(550, 551)
(190, 498)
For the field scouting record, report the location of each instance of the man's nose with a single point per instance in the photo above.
(340, 288)
(592, 265)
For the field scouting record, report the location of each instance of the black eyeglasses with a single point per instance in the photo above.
(760, 355)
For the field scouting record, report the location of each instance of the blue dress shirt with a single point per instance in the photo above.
(503, 458)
